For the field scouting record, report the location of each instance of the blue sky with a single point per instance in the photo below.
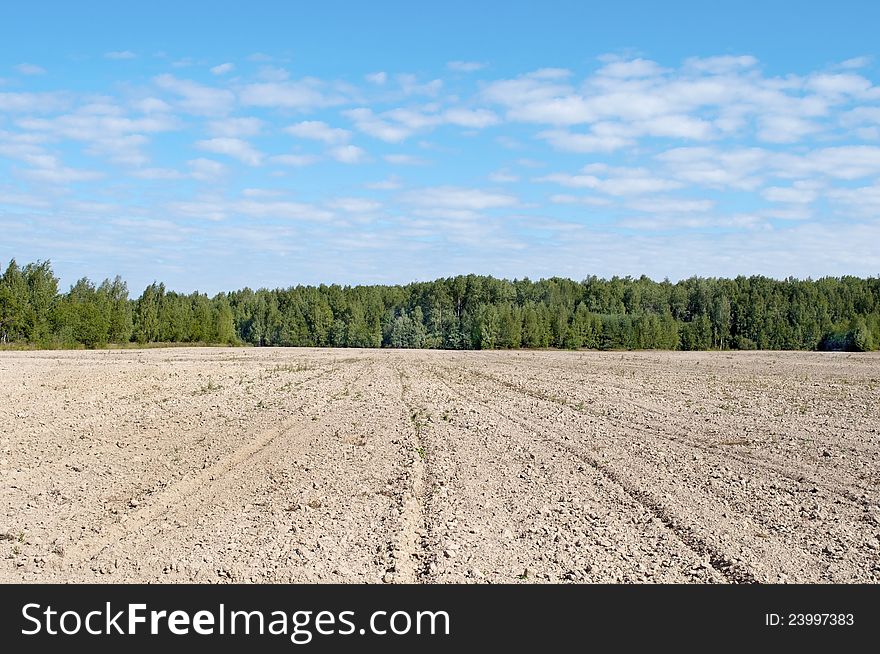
(218, 145)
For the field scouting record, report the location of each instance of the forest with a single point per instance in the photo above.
(462, 312)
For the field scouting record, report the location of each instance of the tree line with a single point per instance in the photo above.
(462, 312)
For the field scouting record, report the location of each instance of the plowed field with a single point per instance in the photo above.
(289, 465)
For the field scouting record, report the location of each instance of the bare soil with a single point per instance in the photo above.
(305, 465)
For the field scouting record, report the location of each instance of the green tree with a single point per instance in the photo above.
(224, 327)
(862, 338)
(42, 288)
(114, 295)
(85, 317)
(532, 335)
(720, 321)
(14, 306)
(147, 313)
(510, 326)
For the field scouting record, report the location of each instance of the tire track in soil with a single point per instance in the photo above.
(498, 512)
(721, 563)
(595, 532)
(410, 548)
(840, 489)
(826, 568)
(138, 437)
(316, 510)
(208, 483)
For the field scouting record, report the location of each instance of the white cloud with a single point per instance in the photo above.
(868, 133)
(222, 209)
(397, 125)
(377, 78)
(628, 99)
(411, 119)
(588, 200)
(222, 69)
(206, 170)
(675, 126)
(455, 197)
(677, 223)
(236, 127)
(120, 54)
(473, 118)
(503, 176)
(106, 130)
(196, 98)
(30, 69)
(273, 74)
(404, 160)
(860, 116)
(624, 68)
(88, 125)
(785, 129)
(409, 85)
(295, 160)
(157, 174)
(92, 207)
(348, 154)
(799, 193)
(738, 168)
(863, 201)
(280, 209)
(13, 147)
(23, 200)
(747, 168)
(855, 62)
(391, 183)
(302, 95)
(49, 169)
(722, 64)
(585, 143)
(367, 122)
(789, 212)
(355, 205)
(33, 102)
(538, 100)
(636, 184)
(618, 181)
(215, 211)
(550, 73)
(232, 147)
(261, 193)
(465, 66)
(671, 205)
(151, 106)
(123, 149)
(839, 84)
(843, 162)
(319, 131)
